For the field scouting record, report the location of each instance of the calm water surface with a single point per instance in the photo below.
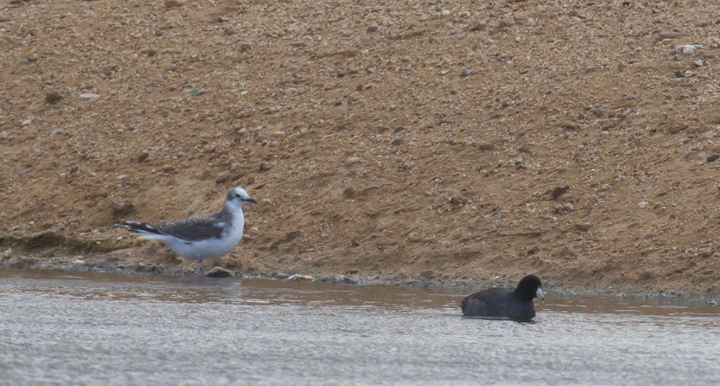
(65, 328)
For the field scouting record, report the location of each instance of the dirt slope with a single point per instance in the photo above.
(395, 139)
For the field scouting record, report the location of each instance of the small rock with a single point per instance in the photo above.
(299, 43)
(413, 235)
(485, 146)
(74, 169)
(525, 148)
(559, 191)
(245, 46)
(677, 127)
(565, 252)
(53, 97)
(264, 166)
(686, 49)
(508, 21)
(54, 132)
(219, 272)
(143, 156)
(355, 243)
(643, 204)
(26, 122)
(349, 192)
(197, 92)
(445, 13)
(476, 26)
(373, 28)
(280, 275)
(516, 161)
(687, 152)
(569, 126)
(122, 209)
(583, 227)
(347, 33)
(397, 141)
(7, 253)
(3, 134)
(89, 96)
(352, 160)
(222, 178)
(465, 73)
(712, 157)
(297, 277)
(122, 177)
(173, 3)
(605, 126)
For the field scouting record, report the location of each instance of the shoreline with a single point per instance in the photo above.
(100, 263)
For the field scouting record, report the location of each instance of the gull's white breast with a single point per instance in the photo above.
(213, 247)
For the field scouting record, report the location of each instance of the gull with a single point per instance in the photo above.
(207, 236)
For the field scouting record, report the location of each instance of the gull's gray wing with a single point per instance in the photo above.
(192, 228)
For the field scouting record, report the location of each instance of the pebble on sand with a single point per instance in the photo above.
(53, 97)
(220, 272)
(173, 3)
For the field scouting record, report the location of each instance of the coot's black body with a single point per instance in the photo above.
(504, 303)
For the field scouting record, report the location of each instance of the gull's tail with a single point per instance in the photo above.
(141, 228)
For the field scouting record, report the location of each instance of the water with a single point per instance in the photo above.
(65, 328)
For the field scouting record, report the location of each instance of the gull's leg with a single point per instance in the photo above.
(200, 270)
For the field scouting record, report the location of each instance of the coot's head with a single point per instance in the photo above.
(529, 288)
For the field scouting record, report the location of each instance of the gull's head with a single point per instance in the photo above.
(238, 197)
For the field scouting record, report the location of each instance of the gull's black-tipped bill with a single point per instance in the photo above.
(505, 303)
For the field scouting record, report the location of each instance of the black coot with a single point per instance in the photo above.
(504, 303)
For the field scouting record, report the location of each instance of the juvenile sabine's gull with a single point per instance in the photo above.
(207, 236)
